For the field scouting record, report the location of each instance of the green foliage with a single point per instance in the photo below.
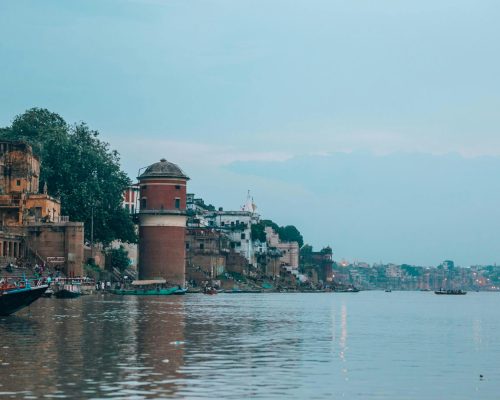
(306, 250)
(258, 232)
(118, 258)
(290, 233)
(287, 233)
(80, 169)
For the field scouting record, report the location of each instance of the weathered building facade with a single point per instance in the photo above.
(31, 225)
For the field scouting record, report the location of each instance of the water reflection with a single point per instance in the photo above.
(260, 346)
(97, 346)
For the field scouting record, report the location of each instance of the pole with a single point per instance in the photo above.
(92, 233)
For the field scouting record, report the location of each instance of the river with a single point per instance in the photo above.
(367, 345)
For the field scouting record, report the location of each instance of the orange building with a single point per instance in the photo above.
(20, 200)
(31, 225)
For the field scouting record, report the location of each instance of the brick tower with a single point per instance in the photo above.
(162, 223)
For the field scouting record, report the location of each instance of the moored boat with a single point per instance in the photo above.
(15, 298)
(48, 293)
(153, 287)
(68, 291)
(451, 291)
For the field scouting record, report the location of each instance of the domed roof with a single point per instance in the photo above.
(163, 169)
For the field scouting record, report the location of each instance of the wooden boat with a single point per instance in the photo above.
(14, 298)
(350, 289)
(152, 287)
(146, 292)
(68, 291)
(451, 292)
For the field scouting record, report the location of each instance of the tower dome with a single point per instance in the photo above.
(163, 169)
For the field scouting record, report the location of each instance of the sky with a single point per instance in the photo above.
(372, 126)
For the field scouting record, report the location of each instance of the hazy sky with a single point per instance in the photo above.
(371, 125)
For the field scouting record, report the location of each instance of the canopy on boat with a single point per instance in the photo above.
(149, 282)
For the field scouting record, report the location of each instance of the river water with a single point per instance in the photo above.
(367, 345)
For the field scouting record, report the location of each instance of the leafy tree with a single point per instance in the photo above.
(118, 258)
(258, 232)
(80, 169)
(306, 250)
(290, 233)
(287, 233)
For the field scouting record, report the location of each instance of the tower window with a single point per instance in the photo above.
(177, 187)
(144, 203)
(177, 203)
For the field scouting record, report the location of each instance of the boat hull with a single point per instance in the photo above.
(66, 294)
(450, 292)
(15, 300)
(146, 292)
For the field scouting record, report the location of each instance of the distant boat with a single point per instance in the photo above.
(350, 289)
(209, 290)
(388, 290)
(451, 292)
(14, 298)
(151, 287)
(68, 291)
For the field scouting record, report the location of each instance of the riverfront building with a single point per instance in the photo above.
(32, 228)
(162, 223)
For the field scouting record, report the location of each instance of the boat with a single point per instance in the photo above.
(209, 290)
(344, 289)
(68, 291)
(388, 290)
(15, 297)
(48, 293)
(451, 291)
(152, 287)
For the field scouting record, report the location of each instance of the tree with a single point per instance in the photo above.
(118, 258)
(258, 232)
(80, 169)
(290, 233)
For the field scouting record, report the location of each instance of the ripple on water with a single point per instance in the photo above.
(261, 346)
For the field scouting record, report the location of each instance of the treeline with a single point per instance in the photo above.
(79, 169)
(288, 233)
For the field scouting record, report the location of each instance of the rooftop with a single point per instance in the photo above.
(163, 169)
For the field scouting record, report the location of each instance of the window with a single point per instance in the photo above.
(132, 209)
(187, 245)
(144, 203)
(177, 203)
(222, 223)
(18, 182)
(202, 246)
(177, 187)
(243, 236)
